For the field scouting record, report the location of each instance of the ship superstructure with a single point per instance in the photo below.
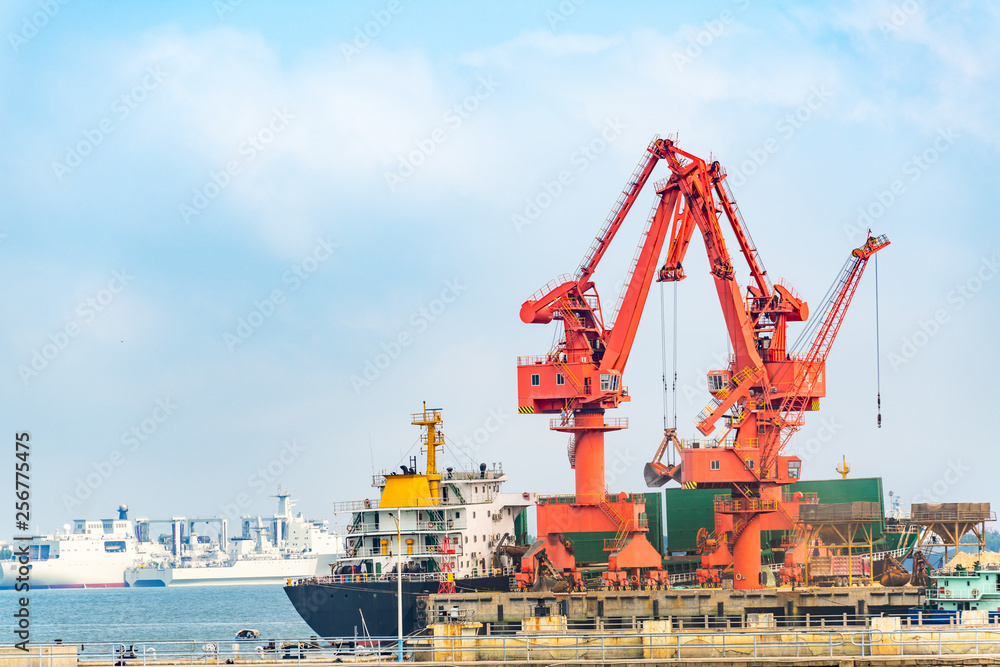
(451, 530)
(269, 550)
(89, 554)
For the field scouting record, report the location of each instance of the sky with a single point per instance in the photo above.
(242, 241)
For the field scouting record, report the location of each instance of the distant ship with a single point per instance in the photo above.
(457, 531)
(269, 551)
(88, 554)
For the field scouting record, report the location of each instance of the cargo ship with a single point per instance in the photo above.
(450, 531)
(268, 551)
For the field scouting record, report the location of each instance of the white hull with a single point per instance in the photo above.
(108, 571)
(242, 572)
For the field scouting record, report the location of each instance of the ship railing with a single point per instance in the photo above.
(378, 480)
(368, 578)
(473, 475)
(947, 594)
(355, 506)
(966, 572)
(355, 529)
(427, 550)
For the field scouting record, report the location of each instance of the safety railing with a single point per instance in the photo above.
(427, 550)
(950, 594)
(549, 286)
(610, 498)
(368, 578)
(609, 423)
(389, 527)
(642, 643)
(729, 505)
(534, 359)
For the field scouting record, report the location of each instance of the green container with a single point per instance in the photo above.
(688, 510)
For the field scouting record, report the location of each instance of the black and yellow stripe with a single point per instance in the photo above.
(526, 410)
(690, 485)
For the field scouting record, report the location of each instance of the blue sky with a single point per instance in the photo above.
(287, 192)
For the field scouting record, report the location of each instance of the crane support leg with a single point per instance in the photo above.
(746, 556)
(590, 459)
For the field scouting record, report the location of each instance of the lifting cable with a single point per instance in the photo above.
(878, 355)
(663, 359)
(675, 356)
(671, 389)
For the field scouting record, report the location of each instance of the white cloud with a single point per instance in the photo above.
(530, 44)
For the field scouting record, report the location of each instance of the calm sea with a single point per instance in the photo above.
(130, 615)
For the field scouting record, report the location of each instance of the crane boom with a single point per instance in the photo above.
(834, 310)
(618, 212)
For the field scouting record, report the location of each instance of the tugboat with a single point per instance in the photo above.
(455, 531)
(956, 590)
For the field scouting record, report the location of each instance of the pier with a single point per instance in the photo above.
(710, 607)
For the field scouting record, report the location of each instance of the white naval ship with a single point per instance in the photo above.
(270, 550)
(88, 554)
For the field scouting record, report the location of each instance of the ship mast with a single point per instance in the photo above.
(433, 438)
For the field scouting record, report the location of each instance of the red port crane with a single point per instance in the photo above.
(761, 396)
(764, 393)
(580, 378)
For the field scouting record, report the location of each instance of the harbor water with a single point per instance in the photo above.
(156, 614)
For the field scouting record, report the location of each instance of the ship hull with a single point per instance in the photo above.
(106, 572)
(348, 609)
(242, 572)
